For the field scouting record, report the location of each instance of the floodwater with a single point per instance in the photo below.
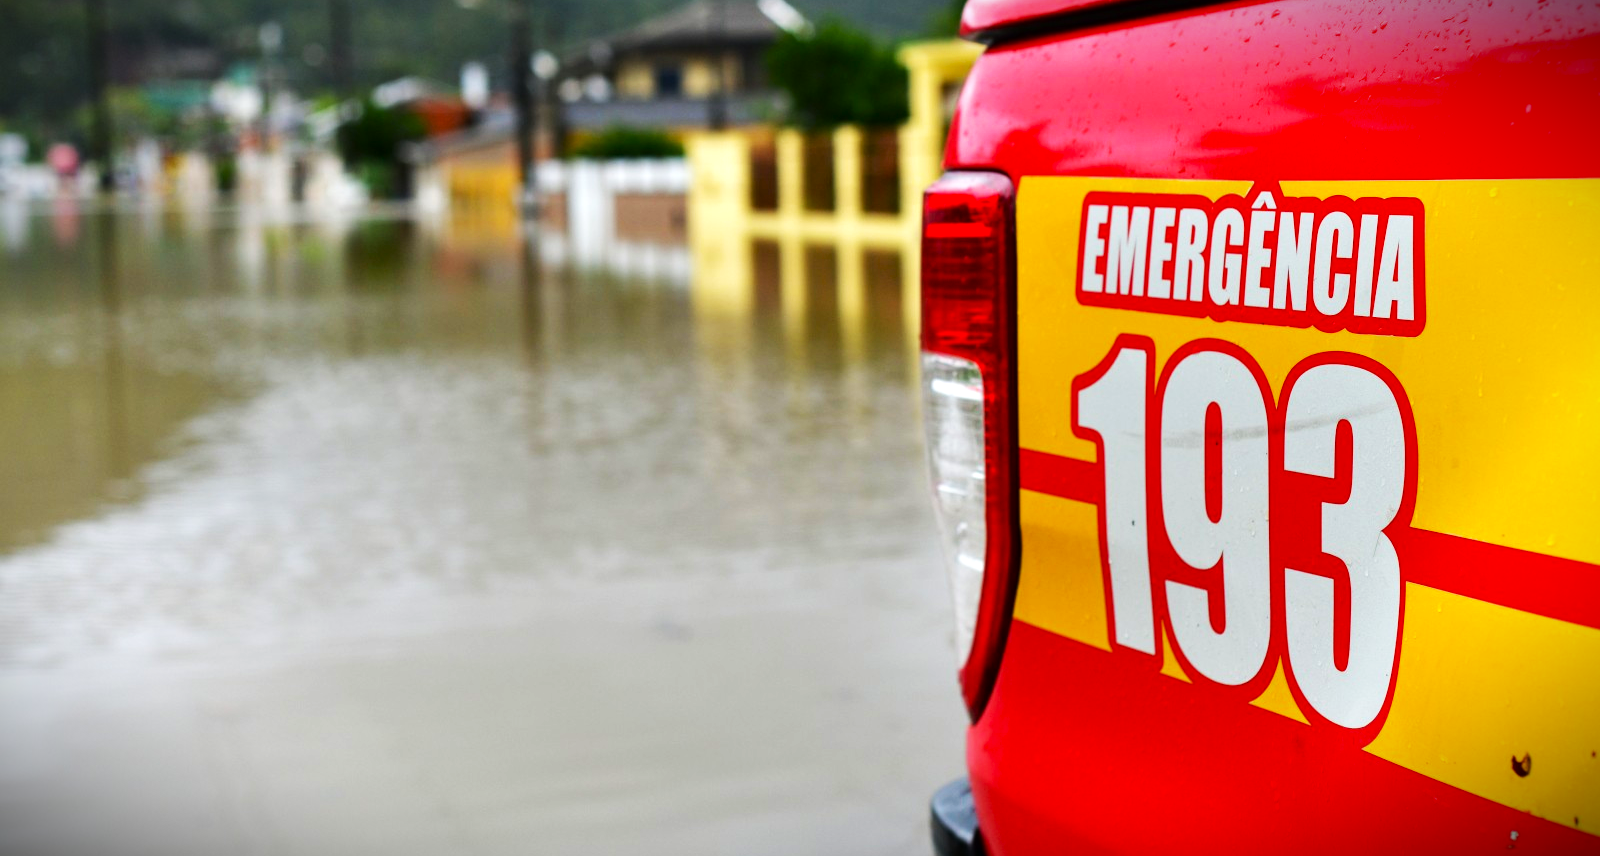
(388, 537)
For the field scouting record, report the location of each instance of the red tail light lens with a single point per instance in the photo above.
(969, 410)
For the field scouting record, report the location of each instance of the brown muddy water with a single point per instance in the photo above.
(376, 537)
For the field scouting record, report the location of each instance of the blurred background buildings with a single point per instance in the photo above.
(137, 88)
(435, 426)
(602, 122)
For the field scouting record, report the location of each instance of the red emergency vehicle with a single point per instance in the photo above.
(1262, 397)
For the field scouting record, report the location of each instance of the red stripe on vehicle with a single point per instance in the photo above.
(1068, 478)
(1530, 582)
(1550, 586)
(1125, 760)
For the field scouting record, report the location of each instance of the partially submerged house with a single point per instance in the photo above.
(699, 66)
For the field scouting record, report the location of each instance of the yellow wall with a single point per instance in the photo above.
(721, 222)
(636, 79)
(699, 77)
(932, 66)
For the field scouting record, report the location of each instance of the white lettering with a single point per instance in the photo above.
(1395, 287)
(1334, 264)
(1258, 258)
(1292, 262)
(1188, 268)
(1125, 249)
(1236, 544)
(1227, 230)
(1366, 241)
(1160, 251)
(1094, 248)
(1352, 532)
(1330, 294)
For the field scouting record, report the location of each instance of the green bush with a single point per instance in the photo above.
(625, 142)
(377, 134)
(371, 143)
(838, 75)
(227, 173)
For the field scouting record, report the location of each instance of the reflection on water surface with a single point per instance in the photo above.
(239, 445)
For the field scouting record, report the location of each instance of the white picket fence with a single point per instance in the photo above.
(591, 189)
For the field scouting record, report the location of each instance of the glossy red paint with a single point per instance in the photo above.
(1296, 90)
(1256, 92)
(1050, 780)
(979, 16)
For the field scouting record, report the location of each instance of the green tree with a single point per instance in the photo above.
(836, 75)
(624, 142)
(371, 143)
(132, 115)
(946, 22)
(378, 133)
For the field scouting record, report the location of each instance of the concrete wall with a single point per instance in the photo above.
(673, 115)
(608, 203)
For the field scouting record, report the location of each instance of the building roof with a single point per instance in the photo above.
(493, 127)
(706, 21)
(407, 89)
(700, 24)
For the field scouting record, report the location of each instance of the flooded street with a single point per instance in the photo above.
(383, 537)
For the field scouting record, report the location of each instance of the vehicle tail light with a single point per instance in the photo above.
(969, 410)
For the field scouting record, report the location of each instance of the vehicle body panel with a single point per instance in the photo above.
(1487, 116)
(979, 17)
(1294, 90)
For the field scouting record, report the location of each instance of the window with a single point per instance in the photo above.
(669, 81)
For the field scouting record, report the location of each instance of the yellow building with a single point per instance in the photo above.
(690, 69)
(852, 189)
(699, 66)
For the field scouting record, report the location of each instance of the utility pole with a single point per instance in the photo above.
(100, 130)
(522, 93)
(539, 97)
(339, 47)
(270, 36)
(717, 114)
(554, 111)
